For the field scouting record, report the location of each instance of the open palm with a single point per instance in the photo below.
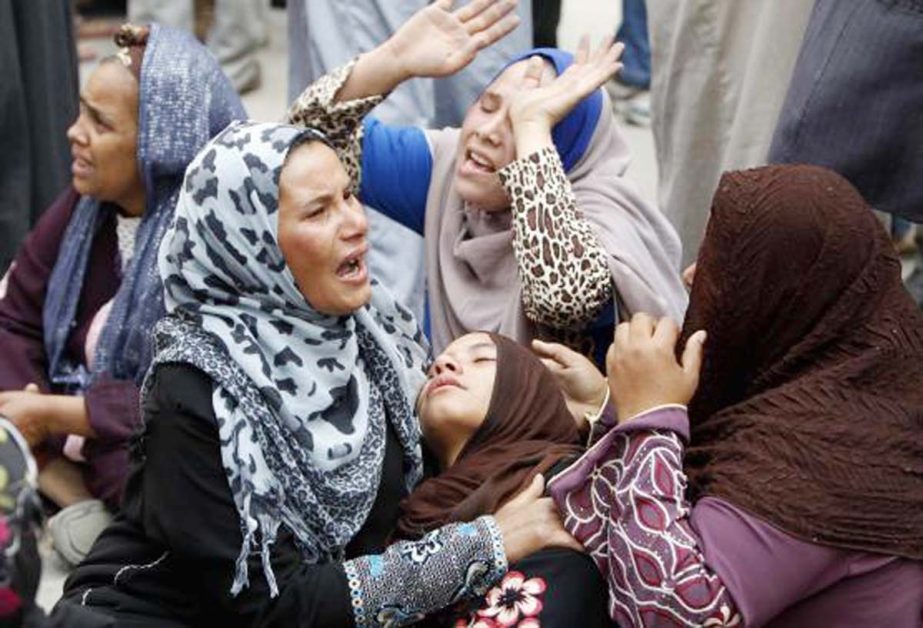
(550, 102)
(438, 41)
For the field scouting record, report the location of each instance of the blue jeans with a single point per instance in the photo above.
(637, 56)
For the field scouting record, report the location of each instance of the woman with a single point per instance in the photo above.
(537, 163)
(84, 292)
(494, 418)
(803, 443)
(279, 429)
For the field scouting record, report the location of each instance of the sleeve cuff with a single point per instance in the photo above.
(673, 417)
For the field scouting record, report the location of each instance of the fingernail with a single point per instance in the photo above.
(700, 336)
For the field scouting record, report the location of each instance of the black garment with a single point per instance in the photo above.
(168, 559)
(546, 14)
(574, 594)
(38, 101)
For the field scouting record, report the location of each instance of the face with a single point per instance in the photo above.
(104, 138)
(322, 231)
(454, 402)
(486, 143)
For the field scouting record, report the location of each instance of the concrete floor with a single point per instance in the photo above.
(594, 17)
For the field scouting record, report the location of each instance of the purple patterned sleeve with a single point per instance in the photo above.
(625, 501)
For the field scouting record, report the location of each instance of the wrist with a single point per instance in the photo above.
(385, 64)
(390, 62)
(531, 136)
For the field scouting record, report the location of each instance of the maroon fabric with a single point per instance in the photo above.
(112, 406)
(809, 413)
(528, 428)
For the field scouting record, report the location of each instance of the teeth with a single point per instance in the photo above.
(479, 160)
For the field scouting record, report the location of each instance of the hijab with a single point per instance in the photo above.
(184, 99)
(473, 280)
(809, 413)
(526, 431)
(302, 398)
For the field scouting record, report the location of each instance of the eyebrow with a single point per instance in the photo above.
(482, 345)
(94, 111)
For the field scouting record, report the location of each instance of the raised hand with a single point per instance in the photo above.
(584, 387)
(545, 105)
(438, 41)
(642, 369)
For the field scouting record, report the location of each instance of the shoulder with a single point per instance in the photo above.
(179, 388)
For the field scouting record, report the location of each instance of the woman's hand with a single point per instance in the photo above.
(438, 41)
(642, 368)
(543, 106)
(26, 409)
(584, 387)
(530, 522)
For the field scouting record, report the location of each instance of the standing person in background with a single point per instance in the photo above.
(866, 52)
(38, 100)
(326, 34)
(630, 89)
(546, 15)
(720, 71)
(237, 30)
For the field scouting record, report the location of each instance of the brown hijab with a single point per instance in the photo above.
(809, 413)
(528, 428)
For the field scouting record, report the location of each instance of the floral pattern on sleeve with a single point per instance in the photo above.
(415, 578)
(341, 122)
(631, 515)
(564, 272)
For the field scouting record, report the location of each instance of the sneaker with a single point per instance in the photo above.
(75, 528)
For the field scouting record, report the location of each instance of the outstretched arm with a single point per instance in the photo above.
(556, 248)
(435, 42)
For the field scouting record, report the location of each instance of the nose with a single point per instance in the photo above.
(445, 363)
(489, 129)
(355, 223)
(76, 133)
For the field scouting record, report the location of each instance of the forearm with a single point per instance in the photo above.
(375, 73)
(67, 414)
(639, 531)
(415, 578)
(321, 106)
(564, 270)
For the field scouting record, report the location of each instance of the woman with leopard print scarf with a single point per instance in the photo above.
(530, 226)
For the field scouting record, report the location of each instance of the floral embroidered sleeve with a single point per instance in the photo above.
(341, 122)
(415, 578)
(625, 501)
(565, 276)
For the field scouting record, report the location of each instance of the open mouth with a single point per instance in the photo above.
(479, 162)
(353, 267)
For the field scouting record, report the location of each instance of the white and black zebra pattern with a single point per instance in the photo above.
(301, 398)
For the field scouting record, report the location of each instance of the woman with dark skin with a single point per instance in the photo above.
(82, 294)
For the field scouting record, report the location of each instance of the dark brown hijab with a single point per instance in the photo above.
(528, 428)
(810, 409)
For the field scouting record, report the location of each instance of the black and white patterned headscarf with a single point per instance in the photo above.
(301, 398)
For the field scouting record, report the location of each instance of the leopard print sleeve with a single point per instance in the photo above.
(341, 122)
(564, 273)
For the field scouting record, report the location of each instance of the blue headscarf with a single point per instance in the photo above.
(573, 133)
(184, 100)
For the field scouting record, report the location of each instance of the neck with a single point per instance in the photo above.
(449, 452)
(133, 204)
